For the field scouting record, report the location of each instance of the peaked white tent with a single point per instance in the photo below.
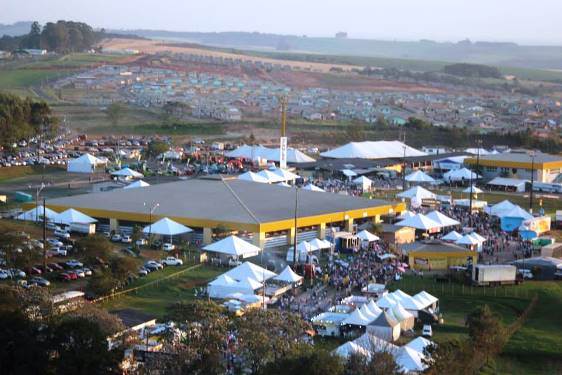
(500, 208)
(374, 308)
(350, 348)
(409, 360)
(84, 164)
(312, 187)
(318, 244)
(386, 302)
(36, 214)
(367, 236)
(166, 227)
(420, 177)
(516, 211)
(406, 214)
(477, 237)
(420, 222)
(72, 216)
(367, 313)
(443, 220)
(127, 173)
(233, 246)
(405, 318)
(284, 184)
(365, 182)
(467, 240)
(452, 236)
(137, 184)
(372, 150)
(356, 318)
(288, 276)
(462, 174)
(475, 190)
(250, 270)
(254, 177)
(419, 344)
(222, 286)
(270, 176)
(426, 298)
(385, 326)
(416, 192)
(285, 174)
(272, 154)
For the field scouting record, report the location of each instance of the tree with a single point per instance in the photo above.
(114, 113)
(122, 267)
(102, 283)
(81, 348)
(355, 132)
(454, 357)
(486, 331)
(94, 248)
(108, 323)
(306, 360)
(156, 148)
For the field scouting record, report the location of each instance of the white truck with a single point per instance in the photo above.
(85, 228)
(494, 275)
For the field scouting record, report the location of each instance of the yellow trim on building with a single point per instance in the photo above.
(514, 164)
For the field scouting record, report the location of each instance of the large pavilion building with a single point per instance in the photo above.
(263, 213)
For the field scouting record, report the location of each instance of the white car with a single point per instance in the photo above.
(427, 331)
(4, 275)
(168, 246)
(54, 242)
(57, 251)
(172, 261)
(525, 273)
(116, 238)
(141, 242)
(61, 233)
(126, 239)
(73, 263)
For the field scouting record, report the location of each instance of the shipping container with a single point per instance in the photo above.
(484, 275)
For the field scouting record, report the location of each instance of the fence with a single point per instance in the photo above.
(146, 285)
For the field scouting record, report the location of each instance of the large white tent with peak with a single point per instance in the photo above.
(365, 235)
(250, 270)
(420, 177)
(127, 173)
(36, 214)
(254, 177)
(272, 154)
(420, 222)
(442, 219)
(137, 184)
(166, 227)
(71, 216)
(312, 187)
(462, 174)
(372, 150)
(288, 276)
(233, 246)
(84, 164)
(500, 208)
(416, 192)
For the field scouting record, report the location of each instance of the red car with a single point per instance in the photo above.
(33, 271)
(64, 276)
(73, 275)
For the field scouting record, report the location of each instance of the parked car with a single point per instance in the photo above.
(126, 239)
(4, 275)
(73, 275)
(56, 266)
(52, 226)
(116, 238)
(44, 269)
(157, 244)
(143, 271)
(80, 273)
(16, 273)
(141, 242)
(153, 265)
(525, 273)
(172, 261)
(427, 331)
(64, 276)
(61, 233)
(87, 271)
(57, 251)
(33, 271)
(168, 246)
(39, 281)
(73, 263)
(107, 234)
(54, 242)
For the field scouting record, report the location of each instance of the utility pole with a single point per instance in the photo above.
(532, 181)
(404, 164)
(44, 235)
(296, 228)
(478, 143)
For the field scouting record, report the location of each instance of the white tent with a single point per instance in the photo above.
(405, 318)
(406, 214)
(285, 174)
(419, 221)
(419, 176)
(419, 344)
(137, 184)
(166, 227)
(477, 237)
(250, 270)
(426, 298)
(312, 187)
(443, 220)
(72, 216)
(270, 176)
(467, 240)
(386, 302)
(452, 236)
(409, 360)
(372, 306)
(84, 164)
(254, 177)
(255, 152)
(317, 244)
(288, 276)
(233, 246)
(348, 173)
(36, 214)
(516, 211)
(365, 235)
(284, 184)
(222, 286)
(500, 208)
(385, 326)
(462, 174)
(356, 318)
(376, 344)
(475, 190)
(367, 313)
(365, 182)
(372, 150)
(416, 192)
(127, 173)
(350, 348)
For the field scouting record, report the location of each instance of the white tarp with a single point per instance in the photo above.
(372, 150)
(72, 216)
(233, 246)
(166, 227)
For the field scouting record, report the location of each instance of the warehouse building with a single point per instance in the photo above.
(261, 212)
(546, 167)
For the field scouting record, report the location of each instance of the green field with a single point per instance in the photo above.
(535, 348)
(12, 173)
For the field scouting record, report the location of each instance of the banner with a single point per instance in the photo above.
(283, 153)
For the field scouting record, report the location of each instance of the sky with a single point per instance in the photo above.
(522, 21)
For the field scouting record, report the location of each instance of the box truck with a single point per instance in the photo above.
(493, 275)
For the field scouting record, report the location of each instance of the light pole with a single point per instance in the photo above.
(532, 181)
(479, 144)
(296, 228)
(150, 212)
(404, 168)
(38, 191)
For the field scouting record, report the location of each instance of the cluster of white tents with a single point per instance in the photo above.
(67, 217)
(304, 248)
(234, 247)
(434, 220)
(272, 154)
(459, 175)
(85, 164)
(267, 176)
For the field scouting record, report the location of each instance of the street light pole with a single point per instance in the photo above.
(152, 209)
(532, 181)
(296, 228)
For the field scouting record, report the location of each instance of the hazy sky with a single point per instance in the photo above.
(524, 21)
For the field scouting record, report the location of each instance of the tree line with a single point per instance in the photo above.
(23, 119)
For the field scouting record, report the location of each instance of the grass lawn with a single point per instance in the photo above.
(535, 348)
(154, 299)
(18, 78)
(11, 173)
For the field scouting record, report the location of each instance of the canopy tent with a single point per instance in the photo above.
(500, 208)
(368, 313)
(426, 298)
(72, 216)
(137, 184)
(386, 302)
(416, 192)
(348, 173)
(319, 244)
(475, 190)
(452, 236)
(349, 349)
(254, 177)
(84, 164)
(288, 276)
(285, 174)
(409, 360)
(270, 176)
(166, 227)
(420, 177)
(467, 240)
(365, 182)
(405, 318)
(420, 222)
(462, 174)
(250, 270)
(516, 211)
(36, 214)
(406, 214)
(272, 154)
(372, 306)
(222, 286)
(304, 246)
(385, 326)
(443, 220)
(365, 235)
(312, 187)
(477, 237)
(127, 173)
(419, 344)
(284, 184)
(233, 246)
(374, 343)
(372, 150)
(356, 318)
